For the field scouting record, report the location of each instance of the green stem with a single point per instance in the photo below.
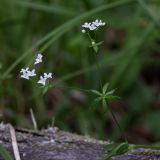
(97, 62)
(68, 87)
(99, 70)
(136, 146)
(119, 127)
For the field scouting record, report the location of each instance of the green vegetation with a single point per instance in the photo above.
(129, 60)
(5, 154)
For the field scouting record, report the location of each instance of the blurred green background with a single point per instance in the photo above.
(129, 58)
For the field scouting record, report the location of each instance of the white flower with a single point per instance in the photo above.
(42, 80)
(25, 76)
(26, 73)
(38, 59)
(86, 25)
(93, 25)
(49, 75)
(23, 71)
(32, 73)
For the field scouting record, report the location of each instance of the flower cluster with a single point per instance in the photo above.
(26, 73)
(92, 25)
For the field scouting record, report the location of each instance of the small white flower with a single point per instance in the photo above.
(25, 73)
(25, 76)
(38, 59)
(32, 73)
(86, 25)
(93, 25)
(42, 80)
(49, 75)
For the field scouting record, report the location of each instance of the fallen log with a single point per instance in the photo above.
(54, 144)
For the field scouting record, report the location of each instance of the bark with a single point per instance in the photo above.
(54, 144)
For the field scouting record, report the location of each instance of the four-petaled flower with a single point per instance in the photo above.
(49, 75)
(44, 78)
(38, 59)
(92, 25)
(25, 73)
(32, 73)
(86, 25)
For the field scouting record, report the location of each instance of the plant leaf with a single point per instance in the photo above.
(95, 101)
(104, 104)
(105, 87)
(98, 99)
(95, 47)
(110, 97)
(96, 92)
(99, 43)
(114, 149)
(110, 92)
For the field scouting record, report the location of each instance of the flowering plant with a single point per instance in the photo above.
(93, 26)
(26, 74)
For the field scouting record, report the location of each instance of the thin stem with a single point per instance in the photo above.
(136, 146)
(68, 87)
(97, 63)
(120, 129)
(99, 70)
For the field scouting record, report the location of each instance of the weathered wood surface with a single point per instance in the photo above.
(53, 144)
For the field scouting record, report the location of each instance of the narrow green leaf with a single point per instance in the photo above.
(104, 104)
(105, 87)
(110, 92)
(95, 101)
(99, 43)
(96, 92)
(114, 150)
(121, 148)
(98, 99)
(110, 97)
(95, 48)
(44, 7)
